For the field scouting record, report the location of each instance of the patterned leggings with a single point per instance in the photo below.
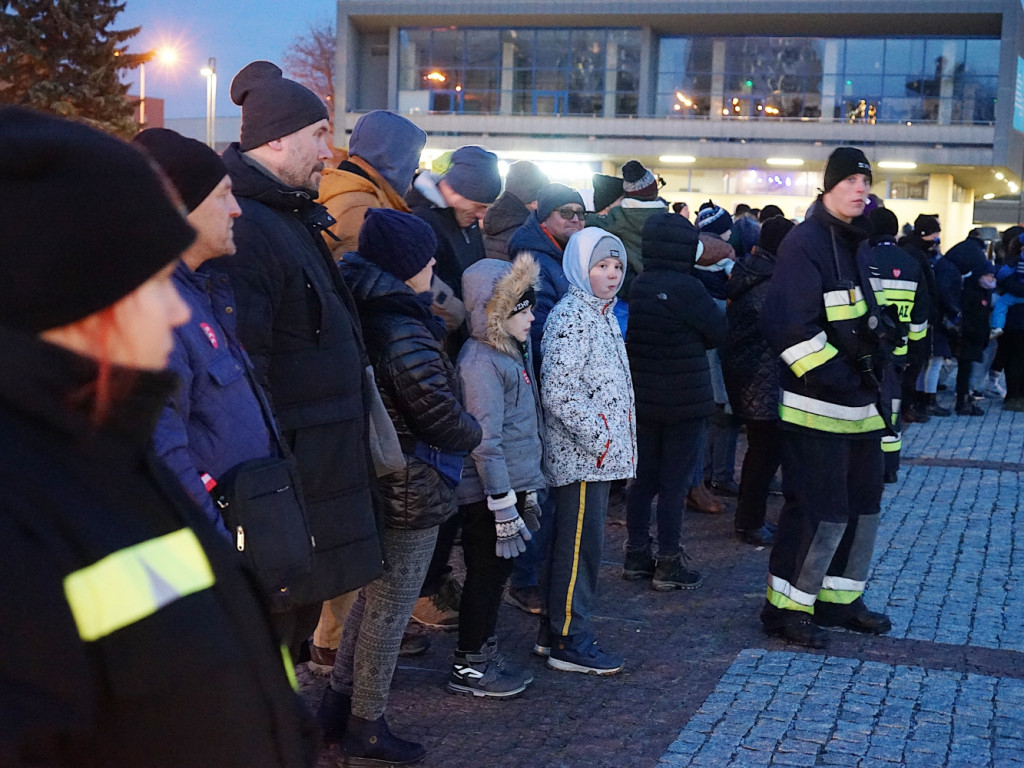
(373, 630)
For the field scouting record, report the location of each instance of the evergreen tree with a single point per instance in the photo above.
(61, 57)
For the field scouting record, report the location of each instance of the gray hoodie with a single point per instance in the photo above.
(498, 384)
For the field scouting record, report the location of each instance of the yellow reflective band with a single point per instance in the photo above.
(829, 417)
(842, 298)
(837, 596)
(893, 295)
(128, 585)
(846, 312)
(900, 285)
(813, 360)
(779, 600)
(289, 668)
(917, 331)
(784, 588)
(891, 444)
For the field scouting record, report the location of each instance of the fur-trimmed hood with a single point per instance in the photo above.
(490, 289)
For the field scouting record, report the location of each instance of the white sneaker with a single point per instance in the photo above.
(993, 388)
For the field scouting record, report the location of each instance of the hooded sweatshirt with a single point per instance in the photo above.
(586, 389)
(498, 384)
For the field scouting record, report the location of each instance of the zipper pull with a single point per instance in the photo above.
(240, 538)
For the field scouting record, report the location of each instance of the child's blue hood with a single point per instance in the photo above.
(576, 259)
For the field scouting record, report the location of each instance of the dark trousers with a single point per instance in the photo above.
(666, 456)
(833, 488)
(577, 541)
(486, 574)
(438, 571)
(764, 454)
(1011, 351)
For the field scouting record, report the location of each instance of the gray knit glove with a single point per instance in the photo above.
(532, 511)
(512, 531)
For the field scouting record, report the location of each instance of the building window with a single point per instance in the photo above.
(519, 71)
(906, 187)
(864, 80)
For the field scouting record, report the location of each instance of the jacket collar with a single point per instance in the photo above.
(853, 232)
(52, 386)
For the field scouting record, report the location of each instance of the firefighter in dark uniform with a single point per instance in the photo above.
(904, 287)
(835, 334)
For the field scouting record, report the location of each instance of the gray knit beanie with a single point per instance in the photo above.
(272, 105)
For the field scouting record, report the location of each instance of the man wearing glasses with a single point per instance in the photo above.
(560, 214)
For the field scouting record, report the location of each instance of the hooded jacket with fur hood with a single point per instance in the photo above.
(498, 384)
(586, 389)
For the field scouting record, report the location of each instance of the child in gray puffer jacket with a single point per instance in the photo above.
(502, 474)
(590, 418)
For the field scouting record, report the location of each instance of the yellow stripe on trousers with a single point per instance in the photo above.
(575, 558)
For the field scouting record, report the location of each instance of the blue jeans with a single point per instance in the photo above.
(666, 454)
(527, 567)
(720, 447)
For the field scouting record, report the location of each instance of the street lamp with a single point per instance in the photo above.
(210, 73)
(165, 56)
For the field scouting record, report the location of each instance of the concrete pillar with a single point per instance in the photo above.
(829, 79)
(946, 85)
(717, 78)
(611, 66)
(508, 60)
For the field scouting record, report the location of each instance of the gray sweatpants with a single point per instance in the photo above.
(373, 630)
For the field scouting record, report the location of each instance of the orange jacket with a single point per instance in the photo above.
(347, 196)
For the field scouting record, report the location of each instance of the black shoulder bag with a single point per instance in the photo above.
(261, 503)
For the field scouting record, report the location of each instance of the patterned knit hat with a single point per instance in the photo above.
(638, 182)
(713, 219)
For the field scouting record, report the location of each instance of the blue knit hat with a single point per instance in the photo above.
(714, 219)
(473, 173)
(397, 242)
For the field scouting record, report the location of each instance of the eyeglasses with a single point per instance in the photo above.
(567, 213)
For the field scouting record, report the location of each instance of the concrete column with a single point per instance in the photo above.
(648, 67)
(393, 55)
(508, 61)
(946, 86)
(717, 78)
(611, 66)
(829, 79)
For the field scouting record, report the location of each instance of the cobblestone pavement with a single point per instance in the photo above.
(703, 686)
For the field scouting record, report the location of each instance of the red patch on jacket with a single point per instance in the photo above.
(526, 377)
(896, 273)
(210, 335)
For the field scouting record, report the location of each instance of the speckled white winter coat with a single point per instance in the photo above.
(586, 389)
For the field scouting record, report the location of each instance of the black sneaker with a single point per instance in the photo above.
(800, 632)
(638, 564)
(542, 646)
(937, 410)
(528, 599)
(670, 573)
(724, 487)
(856, 617)
(479, 674)
(759, 537)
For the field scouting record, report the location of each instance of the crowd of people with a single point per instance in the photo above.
(256, 400)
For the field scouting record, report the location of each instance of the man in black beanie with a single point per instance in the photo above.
(299, 325)
(838, 384)
(523, 184)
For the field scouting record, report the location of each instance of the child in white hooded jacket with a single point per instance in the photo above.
(587, 395)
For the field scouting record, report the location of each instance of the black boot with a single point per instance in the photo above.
(369, 744)
(934, 409)
(333, 713)
(965, 406)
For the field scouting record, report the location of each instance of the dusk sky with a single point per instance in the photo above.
(234, 32)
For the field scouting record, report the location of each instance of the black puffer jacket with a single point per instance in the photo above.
(299, 325)
(749, 365)
(419, 387)
(672, 322)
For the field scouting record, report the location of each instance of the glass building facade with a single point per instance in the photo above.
(557, 71)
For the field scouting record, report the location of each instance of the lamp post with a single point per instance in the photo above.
(210, 73)
(165, 56)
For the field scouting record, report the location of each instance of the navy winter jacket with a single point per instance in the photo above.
(214, 421)
(553, 283)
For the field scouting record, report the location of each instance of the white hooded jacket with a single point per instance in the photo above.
(586, 389)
